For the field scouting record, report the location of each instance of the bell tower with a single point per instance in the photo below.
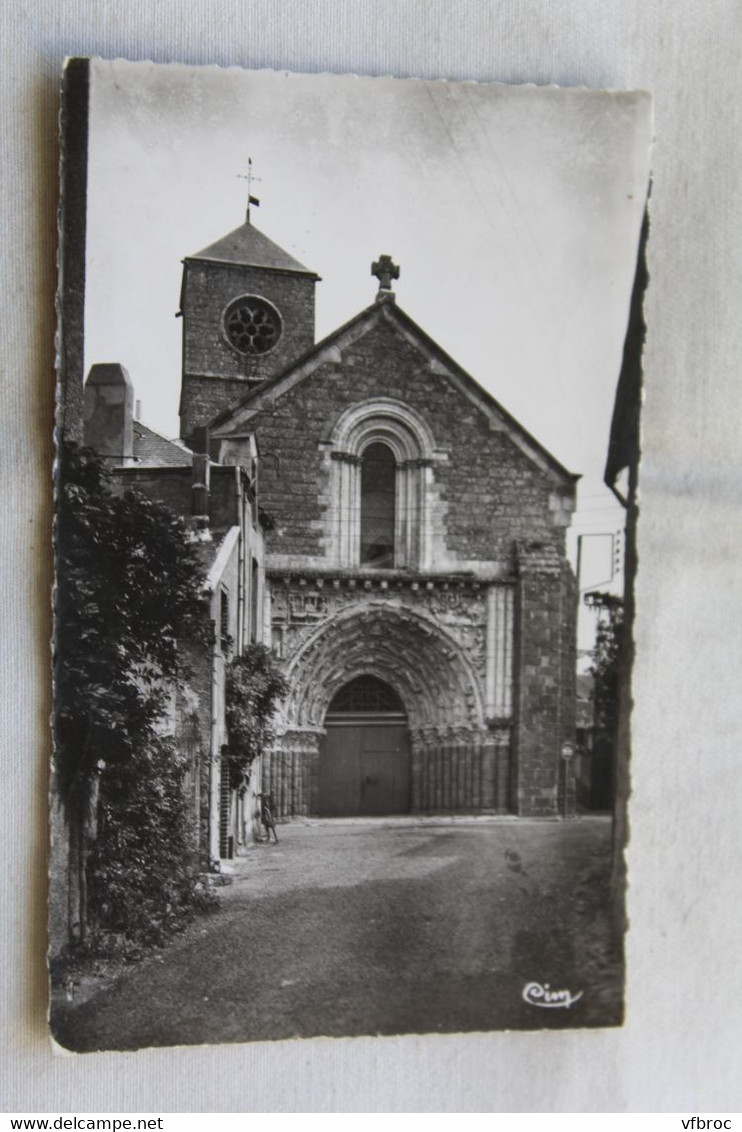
(248, 312)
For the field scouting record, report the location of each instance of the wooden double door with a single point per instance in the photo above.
(365, 767)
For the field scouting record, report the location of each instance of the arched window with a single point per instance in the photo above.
(383, 454)
(367, 695)
(378, 489)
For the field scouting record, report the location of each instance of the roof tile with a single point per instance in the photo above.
(248, 246)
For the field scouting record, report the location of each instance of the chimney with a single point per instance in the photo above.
(109, 413)
(201, 477)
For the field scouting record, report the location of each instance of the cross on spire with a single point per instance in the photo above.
(385, 270)
(251, 179)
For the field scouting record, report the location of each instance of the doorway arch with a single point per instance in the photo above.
(364, 766)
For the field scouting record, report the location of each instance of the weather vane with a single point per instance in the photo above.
(250, 178)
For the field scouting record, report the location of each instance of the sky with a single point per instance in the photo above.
(513, 212)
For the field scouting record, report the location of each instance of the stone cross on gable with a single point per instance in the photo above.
(385, 270)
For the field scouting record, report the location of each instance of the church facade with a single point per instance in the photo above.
(416, 581)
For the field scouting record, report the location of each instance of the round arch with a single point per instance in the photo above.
(454, 760)
(382, 420)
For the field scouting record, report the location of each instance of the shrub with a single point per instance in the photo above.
(129, 588)
(255, 683)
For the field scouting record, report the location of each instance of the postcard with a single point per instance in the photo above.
(349, 384)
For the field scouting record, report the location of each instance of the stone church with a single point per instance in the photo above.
(416, 582)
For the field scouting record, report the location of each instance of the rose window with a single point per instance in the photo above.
(252, 325)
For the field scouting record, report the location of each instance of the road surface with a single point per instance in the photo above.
(379, 927)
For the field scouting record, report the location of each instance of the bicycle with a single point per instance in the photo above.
(266, 816)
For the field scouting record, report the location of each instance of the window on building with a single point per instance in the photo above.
(365, 694)
(378, 490)
(381, 452)
(226, 835)
(254, 607)
(224, 635)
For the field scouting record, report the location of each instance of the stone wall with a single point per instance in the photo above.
(194, 738)
(546, 613)
(202, 398)
(171, 486)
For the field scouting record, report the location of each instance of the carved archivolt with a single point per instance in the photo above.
(383, 418)
(422, 662)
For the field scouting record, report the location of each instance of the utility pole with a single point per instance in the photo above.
(615, 557)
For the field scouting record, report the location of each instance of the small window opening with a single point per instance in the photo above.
(254, 607)
(224, 635)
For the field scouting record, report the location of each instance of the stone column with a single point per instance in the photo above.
(292, 769)
(346, 502)
(417, 772)
(499, 652)
(489, 772)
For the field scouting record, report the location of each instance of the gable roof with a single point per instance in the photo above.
(154, 451)
(248, 247)
(387, 309)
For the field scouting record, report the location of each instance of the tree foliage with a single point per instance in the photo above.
(605, 667)
(129, 587)
(255, 683)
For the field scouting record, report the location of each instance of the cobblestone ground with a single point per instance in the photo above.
(388, 927)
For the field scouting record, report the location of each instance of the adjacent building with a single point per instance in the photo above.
(219, 503)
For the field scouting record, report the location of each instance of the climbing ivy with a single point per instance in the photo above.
(255, 684)
(129, 589)
(606, 658)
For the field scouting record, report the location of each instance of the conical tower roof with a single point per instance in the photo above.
(248, 247)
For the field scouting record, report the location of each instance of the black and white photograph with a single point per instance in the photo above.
(350, 374)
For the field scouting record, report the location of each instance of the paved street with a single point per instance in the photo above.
(379, 926)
